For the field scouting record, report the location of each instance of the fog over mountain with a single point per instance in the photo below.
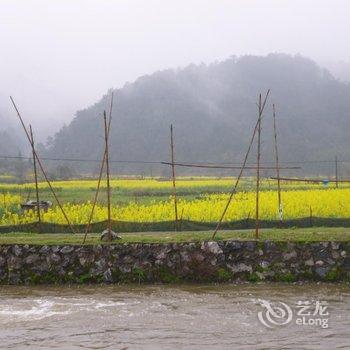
(213, 110)
(58, 57)
(340, 69)
(11, 142)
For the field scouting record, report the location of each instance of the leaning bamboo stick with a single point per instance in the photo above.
(108, 180)
(257, 221)
(35, 178)
(42, 168)
(100, 175)
(95, 198)
(233, 191)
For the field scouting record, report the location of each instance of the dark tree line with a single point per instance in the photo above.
(213, 109)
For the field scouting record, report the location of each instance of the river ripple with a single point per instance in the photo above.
(167, 317)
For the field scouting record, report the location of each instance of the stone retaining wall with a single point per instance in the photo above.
(222, 261)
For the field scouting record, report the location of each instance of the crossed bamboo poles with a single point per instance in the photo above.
(36, 160)
(257, 128)
(105, 160)
(35, 156)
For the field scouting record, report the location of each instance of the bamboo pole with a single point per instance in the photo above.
(336, 171)
(109, 227)
(280, 209)
(181, 218)
(173, 175)
(35, 177)
(214, 166)
(257, 222)
(87, 229)
(100, 175)
(233, 191)
(42, 168)
(290, 179)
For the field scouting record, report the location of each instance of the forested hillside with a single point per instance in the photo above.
(213, 110)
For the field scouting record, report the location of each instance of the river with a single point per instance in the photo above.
(175, 317)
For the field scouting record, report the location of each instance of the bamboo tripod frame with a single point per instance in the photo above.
(41, 166)
(35, 177)
(88, 226)
(233, 191)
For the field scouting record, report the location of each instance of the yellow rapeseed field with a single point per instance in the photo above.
(328, 203)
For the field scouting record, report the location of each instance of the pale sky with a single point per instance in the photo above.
(59, 56)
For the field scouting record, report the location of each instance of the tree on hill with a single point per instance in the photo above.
(213, 110)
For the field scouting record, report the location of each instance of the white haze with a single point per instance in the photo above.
(61, 56)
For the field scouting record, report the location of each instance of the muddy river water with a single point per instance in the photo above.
(243, 316)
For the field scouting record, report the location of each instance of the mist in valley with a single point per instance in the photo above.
(197, 64)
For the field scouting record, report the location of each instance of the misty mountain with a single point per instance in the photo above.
(340, 70)
(213, 110)
(4, 122)
(8, 144)
(10, 141)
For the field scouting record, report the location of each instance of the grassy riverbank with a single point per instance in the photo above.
(295, 235)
